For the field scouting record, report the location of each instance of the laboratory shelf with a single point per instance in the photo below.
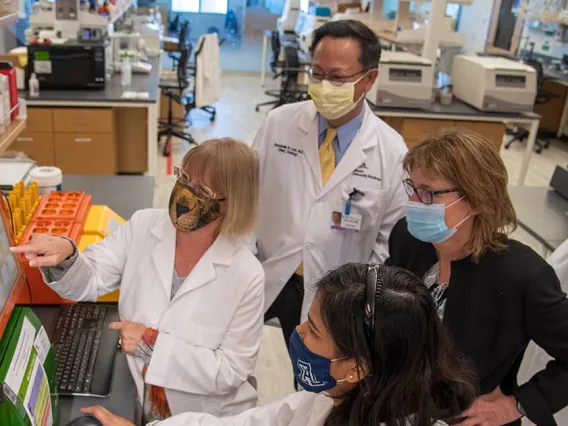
(12, 132)
(8, 18)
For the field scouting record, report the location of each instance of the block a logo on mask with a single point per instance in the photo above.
(306, 376)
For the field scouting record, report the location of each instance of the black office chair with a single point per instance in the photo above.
(175, 91)
(274, 65)
(290, 90)
(542, 97)
(182, 42)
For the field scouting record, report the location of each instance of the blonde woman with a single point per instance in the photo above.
(493, 293)
(191, 297)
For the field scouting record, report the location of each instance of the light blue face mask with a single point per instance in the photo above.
(426, 222)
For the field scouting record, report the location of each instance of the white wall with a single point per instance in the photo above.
(474, 23)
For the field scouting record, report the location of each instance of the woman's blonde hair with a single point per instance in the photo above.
(232, 171)
(471, 163)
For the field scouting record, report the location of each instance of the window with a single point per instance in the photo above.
(200, 6)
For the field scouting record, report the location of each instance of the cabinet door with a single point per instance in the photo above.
(85, 154)
(492, 131)
(414, 130)
(36, 145)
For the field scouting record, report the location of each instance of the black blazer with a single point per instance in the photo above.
(494, 308)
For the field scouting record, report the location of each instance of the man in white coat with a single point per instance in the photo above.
(320, 159)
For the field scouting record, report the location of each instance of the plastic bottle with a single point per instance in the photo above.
(34, 86)
(126, 71)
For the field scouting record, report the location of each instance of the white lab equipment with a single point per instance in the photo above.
(287, 22)
(134, 46)
(150, 32)
(125, 71)
(494, 84)
(405, 81)
(307, 24)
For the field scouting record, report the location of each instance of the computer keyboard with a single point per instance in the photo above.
(84, 349)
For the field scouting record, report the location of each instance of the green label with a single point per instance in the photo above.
(41, 56)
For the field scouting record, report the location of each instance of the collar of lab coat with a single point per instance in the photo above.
(353, 157)
(220, 254)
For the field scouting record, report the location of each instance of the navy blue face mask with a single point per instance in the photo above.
(311, 370)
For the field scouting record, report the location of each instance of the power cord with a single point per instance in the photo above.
(11, 213)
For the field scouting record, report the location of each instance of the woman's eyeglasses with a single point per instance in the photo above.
(185, 179)
(425, 196)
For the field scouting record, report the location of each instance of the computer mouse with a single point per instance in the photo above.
(85, 421)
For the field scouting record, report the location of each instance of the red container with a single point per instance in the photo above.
(63, 205)
(8, 70)
(41, 293)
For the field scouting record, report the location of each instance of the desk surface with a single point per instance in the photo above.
(122, 401)
(542, 213)
(457, 108)
(556, 75)
(112, 91)
(123, 194)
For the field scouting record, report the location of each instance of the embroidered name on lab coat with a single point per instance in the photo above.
(361, 171)
(288, 150)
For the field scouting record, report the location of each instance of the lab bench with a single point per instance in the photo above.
(95, 131)
(415, 124)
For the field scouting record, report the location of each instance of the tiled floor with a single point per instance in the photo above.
(236, 118)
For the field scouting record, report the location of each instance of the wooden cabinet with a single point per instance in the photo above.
(84, 120)
(85, 153)
(36, 145)
(414, 130)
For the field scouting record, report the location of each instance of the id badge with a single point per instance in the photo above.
(342, 222)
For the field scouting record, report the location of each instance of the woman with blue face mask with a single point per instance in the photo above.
(372, 352)
(493, 293)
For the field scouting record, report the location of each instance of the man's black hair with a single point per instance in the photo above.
(368, 41)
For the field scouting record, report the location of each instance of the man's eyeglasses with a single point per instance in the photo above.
(185, 179)
(337, 80)
(425, 196)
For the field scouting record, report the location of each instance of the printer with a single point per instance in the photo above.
(493, 83)
(405, 81)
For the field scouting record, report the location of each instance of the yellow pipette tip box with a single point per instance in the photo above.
(101, 221)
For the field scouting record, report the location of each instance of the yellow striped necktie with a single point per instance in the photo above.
(327, 155)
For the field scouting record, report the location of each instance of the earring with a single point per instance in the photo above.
(351, 376)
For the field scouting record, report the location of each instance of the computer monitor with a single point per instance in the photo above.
(11, 272)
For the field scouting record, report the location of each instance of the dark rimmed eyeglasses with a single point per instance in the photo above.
(374, 289)
(185, 179)
(425, 196)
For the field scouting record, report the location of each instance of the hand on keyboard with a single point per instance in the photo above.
(130, 334)
(45, 250)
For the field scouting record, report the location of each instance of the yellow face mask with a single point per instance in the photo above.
(190, 211)
(332, 101)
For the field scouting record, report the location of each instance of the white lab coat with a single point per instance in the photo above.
(295, 211)
(208, 71)
(536, 358)
(298, 409)
(209, 332)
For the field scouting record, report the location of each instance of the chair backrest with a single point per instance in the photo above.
(275, 43)
(184, 34)
(539, 72)
(182, 69)
(291, 66)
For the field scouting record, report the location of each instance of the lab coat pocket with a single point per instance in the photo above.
(205, 336)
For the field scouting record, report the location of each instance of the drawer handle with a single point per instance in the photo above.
(83, 139)
(25, 139)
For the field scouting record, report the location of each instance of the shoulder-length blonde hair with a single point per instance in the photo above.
(232, 170)
(472, 163)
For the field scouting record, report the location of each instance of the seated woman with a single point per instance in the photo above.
(372, 352)
(191, 296)
(493, 293)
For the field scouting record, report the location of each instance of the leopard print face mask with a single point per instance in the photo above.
(190, 211)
